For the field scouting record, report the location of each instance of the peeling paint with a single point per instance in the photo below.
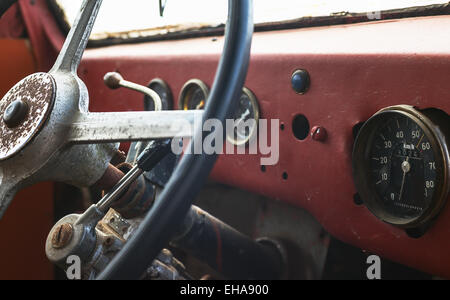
(38, 92)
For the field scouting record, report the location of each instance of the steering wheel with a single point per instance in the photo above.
(47, 133)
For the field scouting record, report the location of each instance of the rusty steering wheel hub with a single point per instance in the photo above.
(24, 110)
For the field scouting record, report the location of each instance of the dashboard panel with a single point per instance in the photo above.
(355, 71)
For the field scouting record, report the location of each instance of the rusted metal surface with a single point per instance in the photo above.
(118, 158)
(111, 177)
(38, 92)
(97, 239)
(345, 17)
(62, 236)
(114, 224)
(136, 199)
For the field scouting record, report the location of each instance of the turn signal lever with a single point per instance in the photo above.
(148, 159)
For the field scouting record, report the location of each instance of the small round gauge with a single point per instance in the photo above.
(401, 166)
(247, 109)
(193, 95)
(164, 92)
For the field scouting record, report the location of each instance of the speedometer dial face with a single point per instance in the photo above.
(401, 166)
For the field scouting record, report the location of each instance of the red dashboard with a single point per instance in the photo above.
(355, 71)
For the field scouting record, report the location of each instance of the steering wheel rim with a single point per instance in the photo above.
(163, 219)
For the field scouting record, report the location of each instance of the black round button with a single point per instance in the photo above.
(300, 81)
(15, 113)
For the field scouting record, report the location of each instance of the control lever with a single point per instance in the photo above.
(75, 234)
(114, 81)
(154, 152)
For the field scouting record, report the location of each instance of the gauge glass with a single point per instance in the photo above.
(247, 109)
(403, 167)
(196, 99)
(193, 95)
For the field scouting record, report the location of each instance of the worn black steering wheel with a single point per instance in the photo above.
(47, 133)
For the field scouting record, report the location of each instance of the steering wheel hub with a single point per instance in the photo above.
(25, 108)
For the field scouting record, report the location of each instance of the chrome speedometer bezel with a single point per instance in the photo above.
(361, 166)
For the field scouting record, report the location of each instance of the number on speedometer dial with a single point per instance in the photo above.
(401, 167)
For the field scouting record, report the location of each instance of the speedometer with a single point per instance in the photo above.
(401, 165)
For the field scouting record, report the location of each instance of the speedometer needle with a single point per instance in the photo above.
(242, 118)
(406, 167)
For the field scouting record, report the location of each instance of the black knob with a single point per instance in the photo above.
(15, 113)
(300, 81)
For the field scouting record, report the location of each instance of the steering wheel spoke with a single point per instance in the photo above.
(9, 185)
(36, 117)
(132, 126)
(78, 37)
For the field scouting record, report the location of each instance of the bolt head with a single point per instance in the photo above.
(15, 113)
(62, 236)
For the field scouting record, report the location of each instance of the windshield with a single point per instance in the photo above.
(134, 17)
